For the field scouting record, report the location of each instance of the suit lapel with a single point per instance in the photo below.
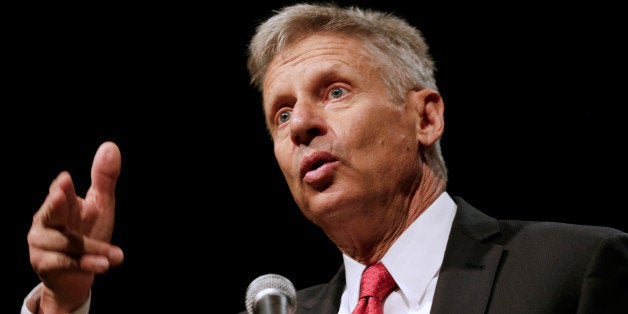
(470, 263)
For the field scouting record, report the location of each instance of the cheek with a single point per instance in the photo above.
(281, 156)
(385, 131)
(390, 146)
(359, 130)
(285, 160)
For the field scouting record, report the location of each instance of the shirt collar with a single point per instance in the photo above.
(415, 257)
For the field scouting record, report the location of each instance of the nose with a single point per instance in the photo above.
(307, 121)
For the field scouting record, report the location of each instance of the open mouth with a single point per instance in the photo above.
(315, 161)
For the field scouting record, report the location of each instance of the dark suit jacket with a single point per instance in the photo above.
(500, 266)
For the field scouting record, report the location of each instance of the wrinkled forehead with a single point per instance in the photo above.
(320, 52)
(314, 44)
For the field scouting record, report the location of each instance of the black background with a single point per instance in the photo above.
(534, 101)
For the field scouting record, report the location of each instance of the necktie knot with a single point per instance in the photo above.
(375, 285)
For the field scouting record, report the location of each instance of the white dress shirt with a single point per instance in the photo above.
(414, 261)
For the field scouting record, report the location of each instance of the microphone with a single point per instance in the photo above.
(271, 294)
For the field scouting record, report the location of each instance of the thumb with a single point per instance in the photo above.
(106, 168)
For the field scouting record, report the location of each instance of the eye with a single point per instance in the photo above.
(337, 92)
(283, 116)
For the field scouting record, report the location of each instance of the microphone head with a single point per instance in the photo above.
(270, 284)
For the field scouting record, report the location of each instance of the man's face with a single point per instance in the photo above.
(348, 154)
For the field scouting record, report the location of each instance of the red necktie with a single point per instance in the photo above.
(375, 285)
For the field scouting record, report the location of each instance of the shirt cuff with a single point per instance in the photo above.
(31, 302)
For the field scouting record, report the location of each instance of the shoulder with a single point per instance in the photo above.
(469, 217)
(561, 236)
(552, 235)
(560, 229)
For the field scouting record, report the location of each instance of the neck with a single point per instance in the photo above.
(369, 246)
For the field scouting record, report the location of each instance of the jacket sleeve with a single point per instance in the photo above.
(605, 282)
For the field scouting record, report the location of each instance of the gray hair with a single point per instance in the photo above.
(397, 49)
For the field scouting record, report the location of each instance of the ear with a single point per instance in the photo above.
(430, 108)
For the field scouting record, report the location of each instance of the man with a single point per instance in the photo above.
(356, 119)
